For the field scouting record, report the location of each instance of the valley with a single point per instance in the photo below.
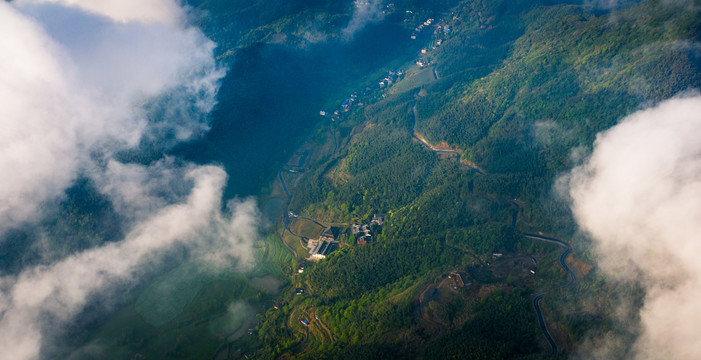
(374, 180)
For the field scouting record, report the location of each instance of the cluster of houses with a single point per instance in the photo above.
(354, 99)
(326, 244)
(344, 108)
(420, 27)
(390, 79)
(363, 233)
(436, 40)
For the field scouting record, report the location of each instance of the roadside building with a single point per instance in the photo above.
(322, 249)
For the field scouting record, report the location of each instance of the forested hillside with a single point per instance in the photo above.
(513, 96)
(422, 142)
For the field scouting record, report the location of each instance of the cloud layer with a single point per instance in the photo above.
(82, 81)
(639, 197)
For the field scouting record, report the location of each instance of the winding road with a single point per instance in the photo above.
(465, 163)
(312, 220)
(541, 322)
(563, 257)
(538, 298)
(425, 143)
(563, 262)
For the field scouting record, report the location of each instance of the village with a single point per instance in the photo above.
(440, 33)
(356, 98)
(320, 243)
(327, 241)
(441, 30)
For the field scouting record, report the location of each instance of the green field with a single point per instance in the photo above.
(415, 77)
(168, 296)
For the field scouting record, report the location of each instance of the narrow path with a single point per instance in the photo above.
(426, 144)
(541, 322)
(325, 329)
(285, 218)
(421, 298)
(335, 139)
(284, 187)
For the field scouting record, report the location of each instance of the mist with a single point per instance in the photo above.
(41, 300)
(81, 83)
(364, 12)
(638, 197)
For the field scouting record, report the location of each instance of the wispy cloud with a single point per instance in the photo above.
(639, 197)
(364, 12)
(82, 81)
(40, 300)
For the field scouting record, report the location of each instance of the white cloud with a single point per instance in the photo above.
(148, 11)
(59, 291)
(364, 12)
(72, 84)
(79, 82)
(639, 197)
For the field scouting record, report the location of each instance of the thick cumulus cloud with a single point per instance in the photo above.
(364, 12)
(639, 197)
(73, 83)
(80, 83)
